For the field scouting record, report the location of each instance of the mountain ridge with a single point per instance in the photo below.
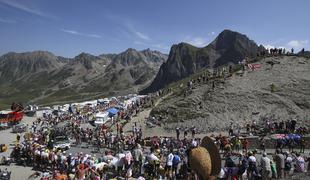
(229, 47)
(42, 77)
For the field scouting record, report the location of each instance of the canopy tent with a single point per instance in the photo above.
(287, 136)
(112, 111)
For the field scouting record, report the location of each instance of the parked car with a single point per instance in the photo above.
(19, 128)
(4, 126)
(62, 142)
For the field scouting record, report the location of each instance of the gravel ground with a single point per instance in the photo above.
(239, 97)
(7, 137)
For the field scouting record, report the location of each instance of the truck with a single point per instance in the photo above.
(10, 118)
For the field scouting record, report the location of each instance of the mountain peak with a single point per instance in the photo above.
(30, 54)
(83, 55)
(228, 31)
(130, 50)
(228, 38)
(184, 59)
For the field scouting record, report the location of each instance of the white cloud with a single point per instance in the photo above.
(94, 35)
(196, 41)
(141, 35)
(158, 46)
(7, 20)
(130, 27)
(211, 33)
(268, 46)
(26, 9)
(70, 31)
(297, 43)
(80, 34)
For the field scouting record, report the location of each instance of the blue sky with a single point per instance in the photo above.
(69, 27)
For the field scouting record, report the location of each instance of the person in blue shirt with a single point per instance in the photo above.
(175, 163)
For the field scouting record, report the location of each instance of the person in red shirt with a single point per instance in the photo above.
(245, 144)
(117, 128)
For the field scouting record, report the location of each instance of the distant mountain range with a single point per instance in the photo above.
(41, 77)
(229, 47)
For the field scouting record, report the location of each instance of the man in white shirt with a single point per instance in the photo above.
(252, 165)
(169, 163)
(152, 157)
(266, 167)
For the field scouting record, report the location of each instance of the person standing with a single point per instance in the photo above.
(117, 128)
(302, 145)
(263, 144)
(169, 164)
(252, 169)
(308, 168)
(245, 144)
(177, 130)
(18, 137)
(300, 163)
(280, 163)
(266, 167)
(193, 132)
(238, 144)
(175, 164)
(288, 164)
(185, 132)
(138, 157)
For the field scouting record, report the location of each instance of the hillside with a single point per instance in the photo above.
(229, 47)
(240, 99)
(41, 77)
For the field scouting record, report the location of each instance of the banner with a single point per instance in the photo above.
(254, 66)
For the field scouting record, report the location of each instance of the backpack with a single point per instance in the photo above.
(230, 162)
(176, 160)
(287, 166)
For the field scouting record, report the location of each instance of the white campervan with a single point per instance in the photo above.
(101, 118)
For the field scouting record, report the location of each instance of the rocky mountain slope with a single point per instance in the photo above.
(278, 93)
(41, 77)
(184, 59)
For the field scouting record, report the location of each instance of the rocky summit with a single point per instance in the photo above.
(229, 47)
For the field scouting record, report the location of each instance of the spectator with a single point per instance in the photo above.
(266, 167)
(279, 161)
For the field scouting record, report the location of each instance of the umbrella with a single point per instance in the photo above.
(293, 136)
(277, 136)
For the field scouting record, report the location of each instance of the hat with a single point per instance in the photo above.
(264, 154)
